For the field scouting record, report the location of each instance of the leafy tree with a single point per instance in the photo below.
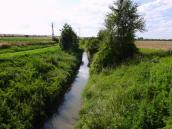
(102, 34)
(68, 39)
(121, 25)
(140, 38)
(123, 22)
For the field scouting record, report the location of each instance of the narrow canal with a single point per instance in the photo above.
(68, 113)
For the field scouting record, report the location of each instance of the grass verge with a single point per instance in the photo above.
(136, 95)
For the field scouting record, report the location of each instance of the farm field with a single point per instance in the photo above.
(135, 95)
(166, 45)
(6, 42)
(13, 49)
(32, 78)
(17, 44)
(14, 40)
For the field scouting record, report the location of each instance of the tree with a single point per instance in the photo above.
(68, 39)
(121, 25)
(123, 22)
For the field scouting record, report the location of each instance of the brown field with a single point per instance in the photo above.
(23, 41)
(166, 45)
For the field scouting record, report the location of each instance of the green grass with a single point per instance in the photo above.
(13, 49)
(31, 82)
(6, 56)
(150, 51)
(136, 95)
(25, 39)
(17, 44)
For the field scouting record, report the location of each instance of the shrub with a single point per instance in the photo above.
(68, 39)
(121, 25)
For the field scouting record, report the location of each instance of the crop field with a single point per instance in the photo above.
(22, 41)
(17, 44)
(166, 45)
(32, 78)
(135, 95)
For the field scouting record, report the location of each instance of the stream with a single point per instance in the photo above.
(68, 112)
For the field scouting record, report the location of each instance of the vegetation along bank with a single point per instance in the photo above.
(135, 95)
(33, 79)
(129, 88)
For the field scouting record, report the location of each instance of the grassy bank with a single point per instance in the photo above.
(31, 81)
(135, 95)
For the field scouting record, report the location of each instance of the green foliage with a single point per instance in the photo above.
(135, 95)
(68, 39)
(91, 46)
(121, 25)
(102, 34)
(169, 119)
(30, 82)
(105, 57)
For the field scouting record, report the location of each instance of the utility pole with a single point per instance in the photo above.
(52, 31)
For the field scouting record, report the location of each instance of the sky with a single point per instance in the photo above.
(85, 16)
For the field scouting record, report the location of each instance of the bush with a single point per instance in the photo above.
(68, 39)
(121, 25)
(103, 59)
(110, 55)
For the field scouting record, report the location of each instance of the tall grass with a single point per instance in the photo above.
(135, 95)
(31, 82)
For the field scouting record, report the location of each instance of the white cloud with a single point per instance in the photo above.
(158, 22)
(35, 16)
(85, 16)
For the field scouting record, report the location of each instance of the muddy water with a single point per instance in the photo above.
(68, 112)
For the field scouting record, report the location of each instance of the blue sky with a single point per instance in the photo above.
(85, 16)
(158, 16)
